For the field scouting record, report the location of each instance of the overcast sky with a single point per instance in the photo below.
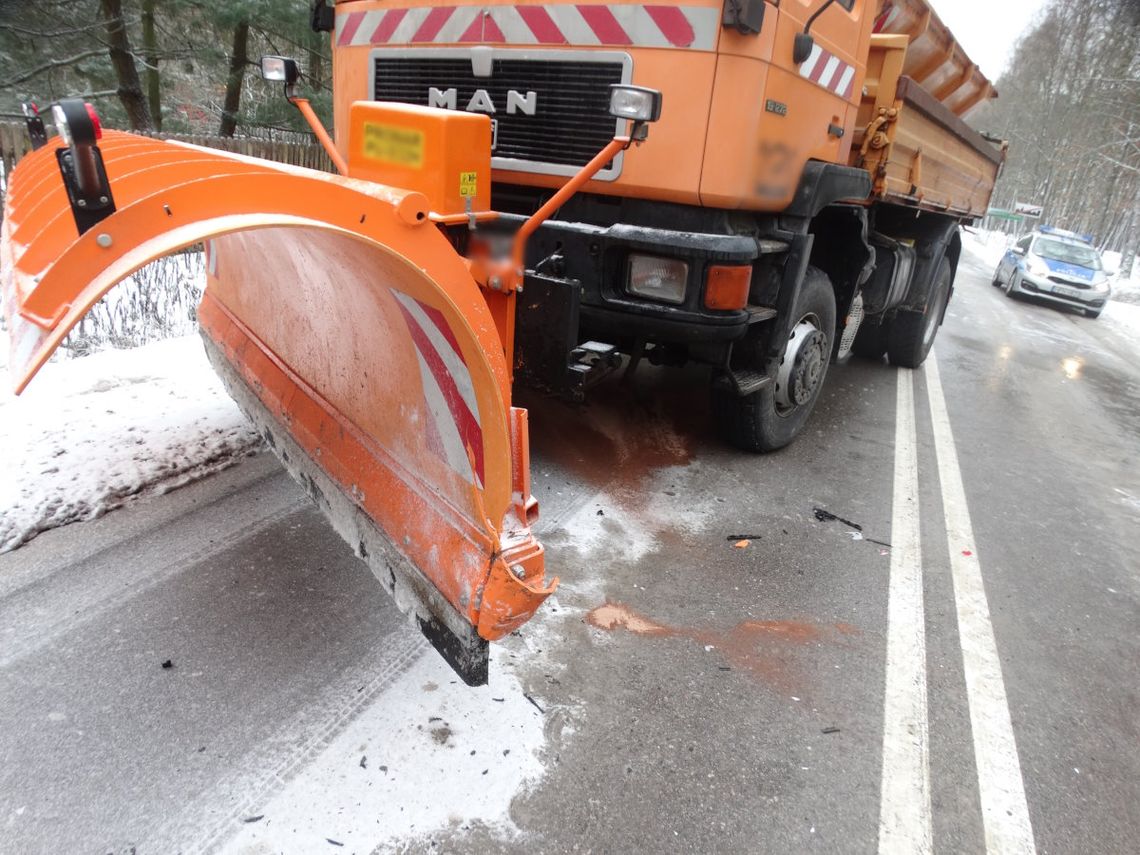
(987, 29)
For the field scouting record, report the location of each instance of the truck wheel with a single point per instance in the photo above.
(912, 333)
(774, 416)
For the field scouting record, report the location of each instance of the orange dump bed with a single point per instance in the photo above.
(934, 59)
(918, 151)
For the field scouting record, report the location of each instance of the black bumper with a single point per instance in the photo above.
(597, 257)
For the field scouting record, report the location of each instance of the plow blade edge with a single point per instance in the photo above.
(351, 333)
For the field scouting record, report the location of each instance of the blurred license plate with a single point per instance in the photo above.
(1066, 292)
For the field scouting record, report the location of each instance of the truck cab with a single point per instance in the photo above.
(796, 143)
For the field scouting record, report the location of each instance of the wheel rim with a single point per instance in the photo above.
(931, 321)
(802, 366)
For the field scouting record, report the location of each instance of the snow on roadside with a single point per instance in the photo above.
(1124, 318)
(88, 434)
(428, 755)
(987, 247)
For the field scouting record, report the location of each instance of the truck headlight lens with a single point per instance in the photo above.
(635, 102)
(657, 278)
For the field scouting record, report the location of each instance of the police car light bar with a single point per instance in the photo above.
(1065, 233)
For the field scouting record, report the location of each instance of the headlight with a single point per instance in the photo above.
(1037, 267)
(635, 102)
(657, 278)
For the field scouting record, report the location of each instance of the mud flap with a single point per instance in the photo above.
(349, 331)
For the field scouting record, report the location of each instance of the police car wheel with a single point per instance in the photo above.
(1010, 286)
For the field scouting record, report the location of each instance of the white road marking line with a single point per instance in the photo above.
(1005, 813)
(904, 810)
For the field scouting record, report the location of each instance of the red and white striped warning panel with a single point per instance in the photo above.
(886, 16)
(453, 413)
(691, 27)
(829, 71)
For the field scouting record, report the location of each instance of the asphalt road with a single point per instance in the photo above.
(951, 663)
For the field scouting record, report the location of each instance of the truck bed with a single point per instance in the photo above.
(919, 153)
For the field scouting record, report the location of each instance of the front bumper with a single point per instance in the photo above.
(597, 257)
(1063, 294)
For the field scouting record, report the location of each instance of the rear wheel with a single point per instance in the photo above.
(996, 281)
(774, 416)
(912, 334)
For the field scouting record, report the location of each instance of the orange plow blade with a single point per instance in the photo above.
(350, 332)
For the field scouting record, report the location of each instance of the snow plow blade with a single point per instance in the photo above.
(348, 329)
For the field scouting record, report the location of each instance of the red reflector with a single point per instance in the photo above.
(95, 121)
(727, 287)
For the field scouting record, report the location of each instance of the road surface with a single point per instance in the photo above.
(949, 662)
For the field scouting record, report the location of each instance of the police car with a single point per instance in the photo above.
(1058, 266)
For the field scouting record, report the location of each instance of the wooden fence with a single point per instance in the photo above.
(14, 145)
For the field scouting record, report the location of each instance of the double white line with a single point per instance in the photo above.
(905, 811)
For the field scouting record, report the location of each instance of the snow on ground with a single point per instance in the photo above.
(988, 247)
(1124, 318)
(430, 755)
(88, 434)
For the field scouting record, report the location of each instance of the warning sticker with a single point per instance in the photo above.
(393, 144)
(468, 182)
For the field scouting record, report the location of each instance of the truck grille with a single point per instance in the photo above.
(571, 122)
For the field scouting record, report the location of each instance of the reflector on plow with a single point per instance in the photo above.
(350, 331)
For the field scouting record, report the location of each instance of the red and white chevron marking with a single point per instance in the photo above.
(886, 16)
(829, 71)
(454, 425)
(691, 27)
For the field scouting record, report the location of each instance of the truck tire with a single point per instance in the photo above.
(912, 334)
(774, 416)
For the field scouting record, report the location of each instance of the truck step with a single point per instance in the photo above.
(742, 381)
(756, 314)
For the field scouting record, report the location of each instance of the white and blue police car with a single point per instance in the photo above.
(1058, 266)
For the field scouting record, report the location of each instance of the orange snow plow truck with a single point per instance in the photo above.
(497, 220)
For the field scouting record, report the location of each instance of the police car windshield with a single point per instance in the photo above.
(1072, 253)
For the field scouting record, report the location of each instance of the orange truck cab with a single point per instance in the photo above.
(799, 198)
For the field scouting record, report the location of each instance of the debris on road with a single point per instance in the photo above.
(742, 544)
(827, 516)
(831, 729)
(363, 761)
(257, 818)
(168, 664)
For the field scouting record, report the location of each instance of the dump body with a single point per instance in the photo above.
(919, 153)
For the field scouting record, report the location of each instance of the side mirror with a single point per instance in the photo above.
(1016, 250)
(280, 69)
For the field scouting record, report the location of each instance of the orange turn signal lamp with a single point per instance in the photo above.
(726, 286)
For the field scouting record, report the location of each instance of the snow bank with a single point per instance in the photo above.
(90, 433)
(987, 246)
